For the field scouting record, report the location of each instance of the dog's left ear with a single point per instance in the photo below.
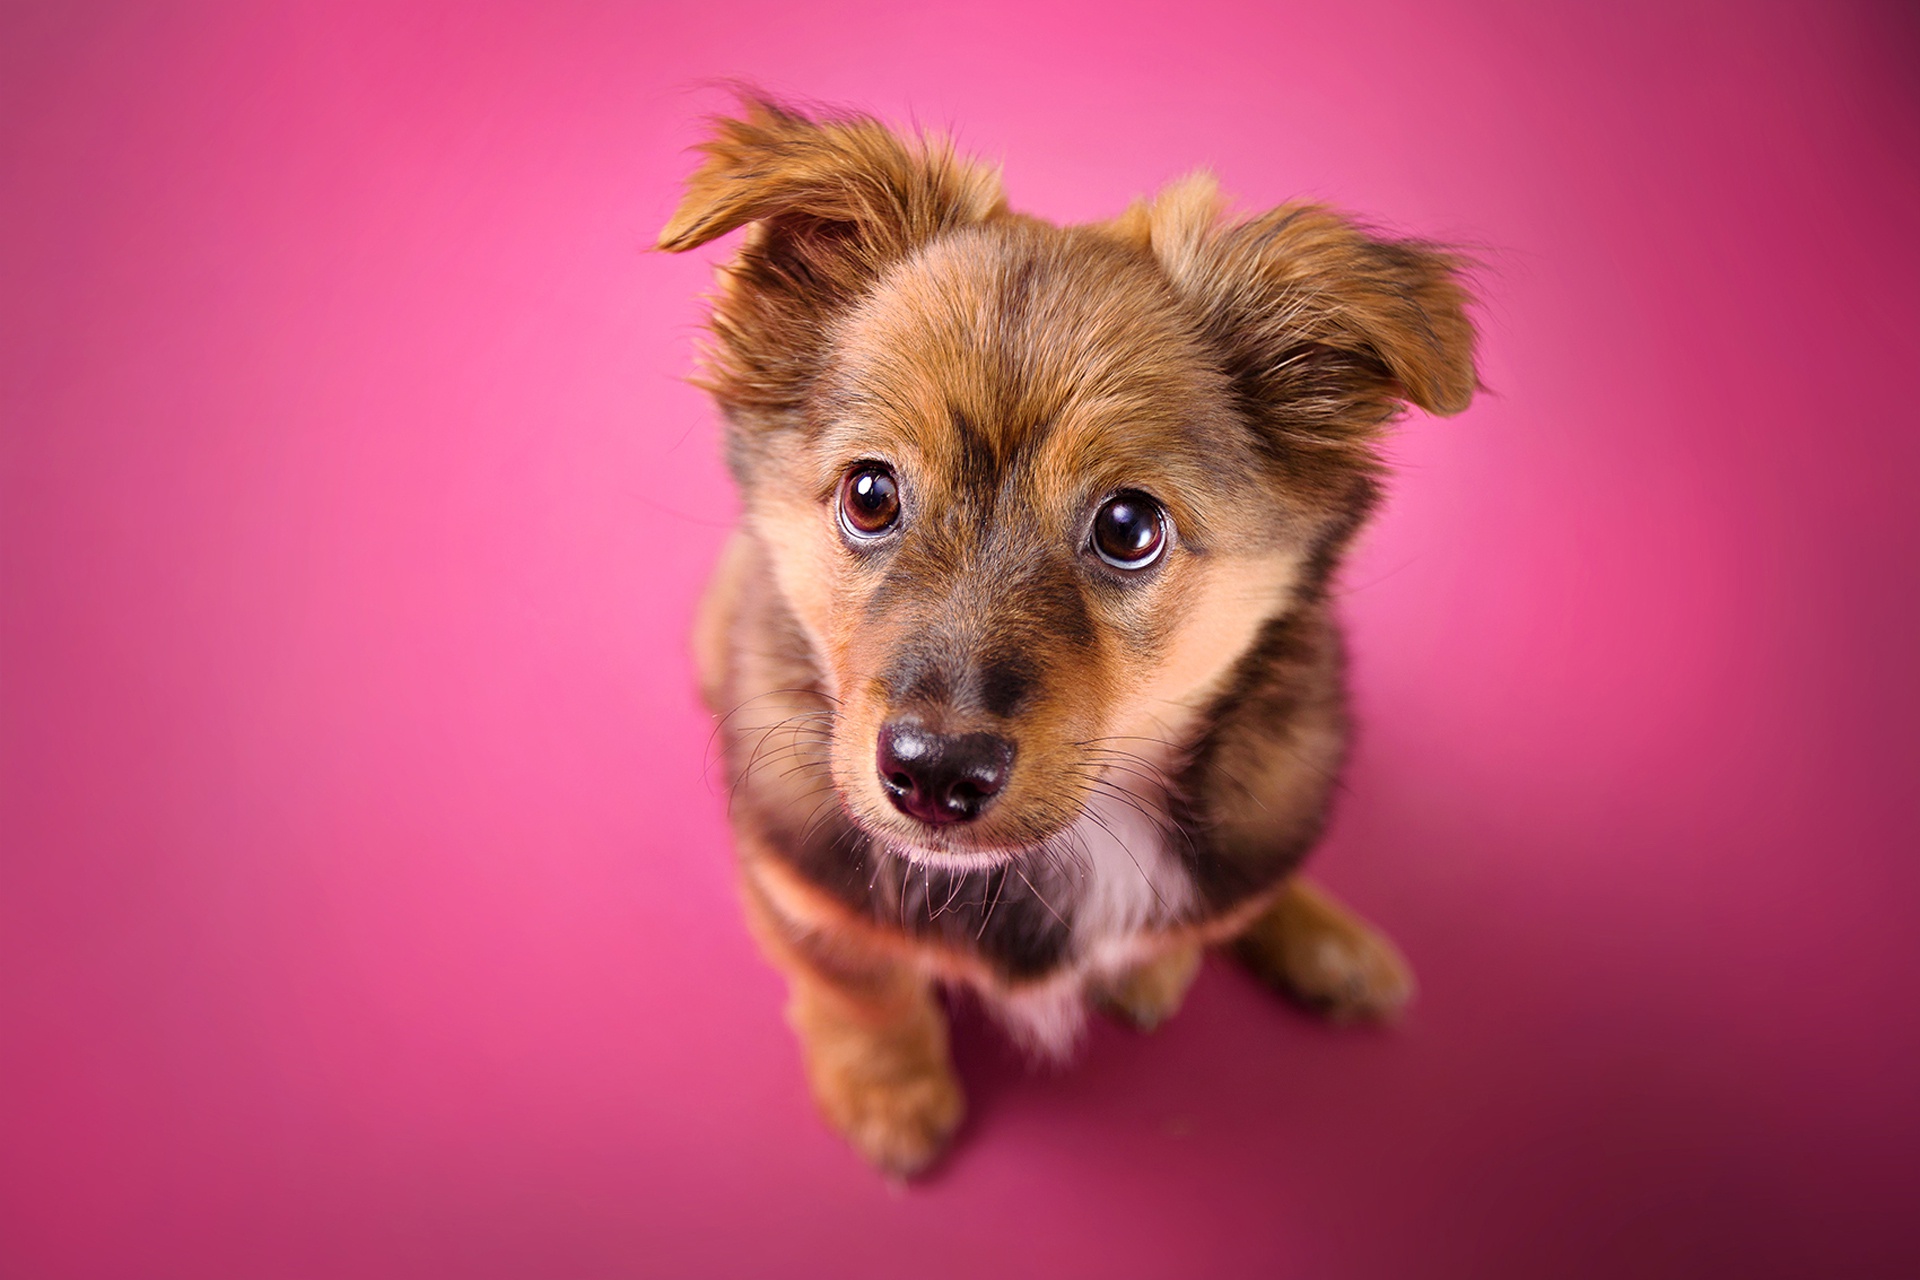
(1327, 330)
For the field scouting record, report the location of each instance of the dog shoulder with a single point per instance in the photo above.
(1258, 784)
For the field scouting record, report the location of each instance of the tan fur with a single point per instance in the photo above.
(1152, 991)
(872, 1037)
(713, 621)
(1312, 947)
(1178, 729)
(1219, 625)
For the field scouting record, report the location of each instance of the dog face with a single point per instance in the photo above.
(1031, 492)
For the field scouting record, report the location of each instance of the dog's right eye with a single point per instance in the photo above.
(1130, 531)
(869, 500)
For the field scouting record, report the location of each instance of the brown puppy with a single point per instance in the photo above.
(1026, 673)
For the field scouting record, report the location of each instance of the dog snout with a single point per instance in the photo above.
(941, 777)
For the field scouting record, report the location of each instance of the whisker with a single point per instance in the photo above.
(1162, 823)
(954, 892)
(1154, 779)
(720, 722)
(1037, 894)
(761, 743)
(1127, 849)
(987, 915)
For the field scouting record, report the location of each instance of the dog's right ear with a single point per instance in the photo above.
(833, 203)
(777, 166)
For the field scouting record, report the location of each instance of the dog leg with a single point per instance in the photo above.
(878, 1065)
(1311, 947)
(1151, 992)
(874, 1041)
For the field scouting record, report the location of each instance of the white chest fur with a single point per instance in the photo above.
(1119, 878)
(1130, 877)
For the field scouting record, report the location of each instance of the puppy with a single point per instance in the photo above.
(1025, 670)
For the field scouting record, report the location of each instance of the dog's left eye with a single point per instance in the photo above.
(869, 500)
(1130, 530)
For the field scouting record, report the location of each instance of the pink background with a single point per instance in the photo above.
(364, 910)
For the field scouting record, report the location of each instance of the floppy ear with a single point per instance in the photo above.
(834, 202)
(1327, 330)
(776, 164)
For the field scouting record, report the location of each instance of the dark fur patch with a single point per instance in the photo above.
(1296, 663)
(999, 915)
(1005, 682)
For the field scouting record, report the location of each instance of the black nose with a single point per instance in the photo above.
(941, 777)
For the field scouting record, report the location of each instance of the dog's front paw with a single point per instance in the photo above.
(1326, 957)
(1148, 994)
(880, 1072)
(899, 1111)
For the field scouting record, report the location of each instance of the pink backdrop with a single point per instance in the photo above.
(364, 911)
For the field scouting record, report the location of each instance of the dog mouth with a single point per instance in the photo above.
(975, 845)
(953, 857)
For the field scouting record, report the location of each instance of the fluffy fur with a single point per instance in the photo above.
(1176, 732)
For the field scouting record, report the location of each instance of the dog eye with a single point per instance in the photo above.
(869, 500)
(1130, 531)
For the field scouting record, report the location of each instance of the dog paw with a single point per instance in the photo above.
(1322, 955)
(899, 1116)
(1148, 994)
(1350, 978)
